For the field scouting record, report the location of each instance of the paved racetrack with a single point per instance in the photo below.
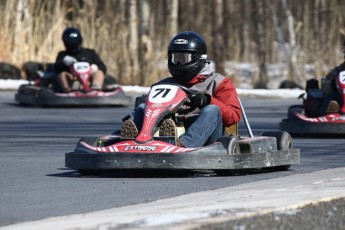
(34, 183)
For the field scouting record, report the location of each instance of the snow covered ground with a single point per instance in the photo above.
(269, 93)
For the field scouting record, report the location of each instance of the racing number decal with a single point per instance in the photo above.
(162, 93)
(81, 67)
(162, 90)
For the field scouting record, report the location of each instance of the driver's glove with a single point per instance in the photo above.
(94, 68)
(200, 100)
(69, 60)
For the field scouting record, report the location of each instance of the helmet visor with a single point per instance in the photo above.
(181, 58)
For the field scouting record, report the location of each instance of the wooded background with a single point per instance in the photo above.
(132, 36)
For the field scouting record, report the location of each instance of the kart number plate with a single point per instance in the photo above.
(81, 67)
(162, 93)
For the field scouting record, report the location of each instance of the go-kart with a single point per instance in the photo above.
(308, 119)
(43, 90)
(271, 150)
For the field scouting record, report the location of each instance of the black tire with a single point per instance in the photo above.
(8, 71)
(30, 69)
(230, 143)
(284, 139)
(284, 142)
(109, 80)
(292, 110)
(234, 147)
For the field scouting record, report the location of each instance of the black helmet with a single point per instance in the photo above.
(72, 39)
(187, 55)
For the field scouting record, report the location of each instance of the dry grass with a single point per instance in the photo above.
(31, 31)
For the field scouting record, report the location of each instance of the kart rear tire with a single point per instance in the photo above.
(284, 139)
(9, 71)
(284, 142)
(230, 143)
(234, 147)
(291, 112)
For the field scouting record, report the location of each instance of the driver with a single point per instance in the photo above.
(215, 97)
(333, 97)
(74, 52)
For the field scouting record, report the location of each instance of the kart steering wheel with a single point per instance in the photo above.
(191, 108)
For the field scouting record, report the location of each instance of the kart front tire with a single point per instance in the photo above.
(284, 142)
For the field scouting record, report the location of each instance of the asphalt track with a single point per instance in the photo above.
(35, 185)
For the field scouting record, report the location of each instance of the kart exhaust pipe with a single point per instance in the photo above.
(250, 133)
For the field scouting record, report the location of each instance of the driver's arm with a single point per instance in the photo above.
(98, 61)
(59, 65)
(225, 96)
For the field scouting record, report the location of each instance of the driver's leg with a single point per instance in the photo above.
(97, 79)
(206, 129)
(331, 103)
(65, 80)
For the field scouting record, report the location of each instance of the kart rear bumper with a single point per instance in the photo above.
(304, 127)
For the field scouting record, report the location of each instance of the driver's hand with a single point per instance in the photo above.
(199, 100)
(69, 60)
(94, 68)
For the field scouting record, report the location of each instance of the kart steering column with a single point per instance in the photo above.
(250, 133)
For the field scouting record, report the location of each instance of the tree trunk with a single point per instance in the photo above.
(133, 42)
(145, 51)
(173, 17)
(292, 74)
(259, 38)
(218, 41)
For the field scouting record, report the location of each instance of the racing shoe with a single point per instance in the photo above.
(168, 129)
(75, 86)
(129, 130)
(95, 86)
(333, 107)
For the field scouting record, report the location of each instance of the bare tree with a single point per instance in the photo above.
(259, 38)
(145, 51)
(133, 42)
(218, 41)
(132, 35)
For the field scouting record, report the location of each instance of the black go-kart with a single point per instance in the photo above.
(150, 151)
(43, 90)
(309, 119)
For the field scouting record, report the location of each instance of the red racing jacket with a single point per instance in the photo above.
(222, 92)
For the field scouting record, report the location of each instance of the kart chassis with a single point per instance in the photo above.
(271, 150)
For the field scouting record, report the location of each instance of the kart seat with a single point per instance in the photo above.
(232, 130)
